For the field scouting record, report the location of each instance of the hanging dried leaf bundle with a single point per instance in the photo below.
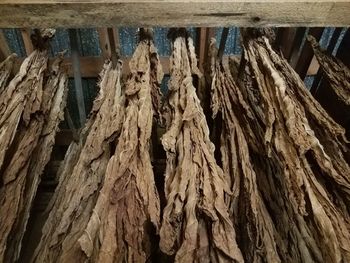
(338, 74)
(5, 70)
(305, 178)
(52, 108)
(196, 226)
(17, 101)
(128, 203)
(21, 122)
(81, 175)
(254, 226)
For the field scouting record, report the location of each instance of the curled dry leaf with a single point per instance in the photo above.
(305, 175)
(254, 226)
(128, 203)
(5, 70)
(81, 174)
(21, 123)
(337, 74)
(196, 226)
(52, 107)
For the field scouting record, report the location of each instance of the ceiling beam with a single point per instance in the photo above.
(147, 13)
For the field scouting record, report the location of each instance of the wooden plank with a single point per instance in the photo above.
(27, 41)
(313, 68)
(104, 42)
(306, 54)
(73, 37)
(4, 47)
(175, 13)
(296, 46)
(285, 40)
(330, 48)
(204, 34)
(223, 42)
(343, 51)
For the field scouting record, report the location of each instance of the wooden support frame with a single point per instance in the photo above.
(4, 48)
(73, 37)
(204, 35)
(27, 41)
(306, 53)
(175, 13)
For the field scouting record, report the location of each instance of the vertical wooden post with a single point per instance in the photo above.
(224, 35)
(296, 45)
(4, 48)
(204, 34)
(77, 75)
(330, 49)
(307, 53)
(109, 42)
(104, 43)
(27, 41)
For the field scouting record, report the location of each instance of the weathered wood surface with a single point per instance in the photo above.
(108, 13)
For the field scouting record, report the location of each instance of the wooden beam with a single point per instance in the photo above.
(285, 40)
(73, 37)
(319, 76)
(4, 47)
(27, 41)
(175, 13)
(306, 54)
(104, 42)
(343, 51)
(223, 39)
(296, 46)
(204, 34)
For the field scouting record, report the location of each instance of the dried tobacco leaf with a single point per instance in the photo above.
(338, 74)
(254, 227)
(52, 107)
(18, 100)
(128, 202)
(196, 226)
(21, 123)
(306, 176)
(81, 175)
(5, 70)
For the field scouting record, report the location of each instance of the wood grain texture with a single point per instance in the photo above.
(108, 13)
(27, 42)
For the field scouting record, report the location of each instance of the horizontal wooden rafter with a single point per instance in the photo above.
(109, 13)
